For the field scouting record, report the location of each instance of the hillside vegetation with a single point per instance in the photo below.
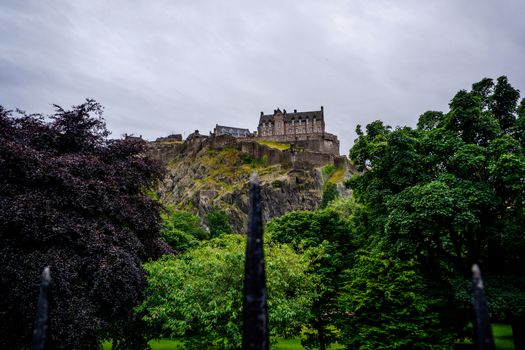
(218, 176)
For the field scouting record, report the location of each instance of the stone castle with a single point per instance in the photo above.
(303, 130)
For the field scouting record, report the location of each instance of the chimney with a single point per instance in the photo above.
(322, 109)
(262, 113)
(295, 110)
(284, 111)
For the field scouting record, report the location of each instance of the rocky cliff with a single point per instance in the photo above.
(203, 172)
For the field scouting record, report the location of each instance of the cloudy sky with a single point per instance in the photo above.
(163, 66)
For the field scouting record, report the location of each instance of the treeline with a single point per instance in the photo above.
(387, 268)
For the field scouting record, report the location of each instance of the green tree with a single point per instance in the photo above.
(182, 230)
(386, 306)
(218, 222)
(430, 120)
(504, 101)
(329, 194)
(451, 193)
(198, 295)
(518, 131)
(325, 237)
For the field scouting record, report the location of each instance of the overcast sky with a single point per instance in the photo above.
(175, 66)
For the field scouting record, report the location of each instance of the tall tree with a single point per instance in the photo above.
(386, 305)
(326, 238)
(75, 201)
(451, 193)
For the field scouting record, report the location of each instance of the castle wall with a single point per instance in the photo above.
(307, 155)
(327, 143)
(281, 128)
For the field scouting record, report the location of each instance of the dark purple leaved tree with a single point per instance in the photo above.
(77, 202)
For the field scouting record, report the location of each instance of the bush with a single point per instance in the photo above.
(198, 296)
(218, 222)
(182, 230)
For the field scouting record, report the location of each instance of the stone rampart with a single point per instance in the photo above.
(299, 156)
(325, 143)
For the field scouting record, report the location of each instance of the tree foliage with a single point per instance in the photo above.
(325, 237)
(73, 200)
(182, 230)
(451, 193)
(329, 194)
(218, 222)
(387, 306)
(198, 295)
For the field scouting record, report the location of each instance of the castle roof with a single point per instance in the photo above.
(224, 128)
(230, 130)
(288, 117)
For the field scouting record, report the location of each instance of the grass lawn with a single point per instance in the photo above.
(502, 334)
(502, 337)
(167, 344)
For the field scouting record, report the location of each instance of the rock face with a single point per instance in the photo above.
(215, 171)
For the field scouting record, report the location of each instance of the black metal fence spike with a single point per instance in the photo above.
(483, 333)
(255, 310)
(42, 316)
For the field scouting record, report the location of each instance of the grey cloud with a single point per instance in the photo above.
(166, 66)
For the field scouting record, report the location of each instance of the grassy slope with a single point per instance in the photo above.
(227, 170)
(332, 174)
(273, 144)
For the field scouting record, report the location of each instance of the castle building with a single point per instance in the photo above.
(230, 130)
(291, 124)
(303, 129)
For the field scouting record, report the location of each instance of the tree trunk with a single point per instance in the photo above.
(518, 333)
(320, 333)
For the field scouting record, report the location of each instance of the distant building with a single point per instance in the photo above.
(195, 135)
(133, 137)
(303, 129)
(230, 130)
(170, 138)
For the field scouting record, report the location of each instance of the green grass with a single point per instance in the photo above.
(277, 145)
(337, 176)
(328, 170)
(167, 344)
(503, 336)
(162, 344)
